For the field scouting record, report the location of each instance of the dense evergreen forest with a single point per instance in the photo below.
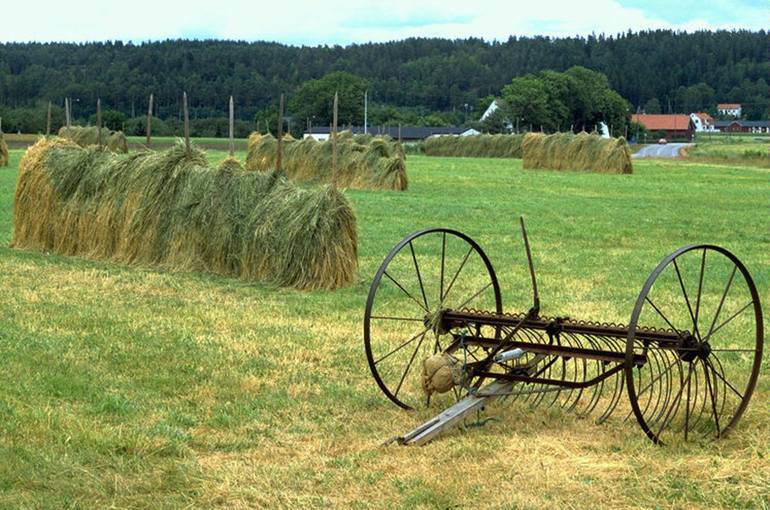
(665, 70)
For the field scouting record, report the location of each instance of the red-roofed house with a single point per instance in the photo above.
(733, 109)
(674, 125)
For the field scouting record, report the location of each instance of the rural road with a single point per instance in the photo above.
(670, 150)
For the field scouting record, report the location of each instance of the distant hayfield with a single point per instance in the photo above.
(478, 146)
(567, 151)
(114, 141)
(363, 162)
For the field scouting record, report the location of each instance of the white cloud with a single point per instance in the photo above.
(330, 21)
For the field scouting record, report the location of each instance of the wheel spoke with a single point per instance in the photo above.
(722, 301)
(736, 314)
(713, 399)
(419, 276)
(402, 345)
(724, 380)
(462, 264)
(405, 291)
(387, 318)
(485, 287)
(661, 314)
(409, 366)
(686, 299)
(443, 254)
(700, 289)
(687, 408)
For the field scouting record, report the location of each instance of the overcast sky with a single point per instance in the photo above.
(313, 22)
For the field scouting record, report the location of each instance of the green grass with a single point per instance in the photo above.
(745, 149)
(130, 387)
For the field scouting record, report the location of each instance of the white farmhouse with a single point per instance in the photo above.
(732, 109)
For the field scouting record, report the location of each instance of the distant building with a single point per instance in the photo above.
(492, 108)
(732, 109)
(743, 126)
(406, 133)
(495, 105)
(674, 125)
(703, 122)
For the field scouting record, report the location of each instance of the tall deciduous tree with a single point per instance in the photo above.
(313, 100)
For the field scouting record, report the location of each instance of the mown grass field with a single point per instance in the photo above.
(136, 387)
(743, 149)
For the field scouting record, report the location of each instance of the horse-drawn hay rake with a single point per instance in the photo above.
(688, 360)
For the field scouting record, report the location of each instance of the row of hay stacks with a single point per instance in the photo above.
(171, 209)
(582, 151)
(114, 141)
(3, 151)
(476, 146)
(363, 162)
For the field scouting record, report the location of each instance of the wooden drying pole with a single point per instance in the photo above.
(67, 111)
(99, 122)
(232, 127)
(149, 122)
(48, 122)
(334, 142)
(186, 122)
(279, 153)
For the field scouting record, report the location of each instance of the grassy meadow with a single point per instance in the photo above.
(132, 387)
(743, 149)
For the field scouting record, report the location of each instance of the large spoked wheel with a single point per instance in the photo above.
(428, 272)
(698, 386)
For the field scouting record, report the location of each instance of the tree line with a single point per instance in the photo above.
(411, 81)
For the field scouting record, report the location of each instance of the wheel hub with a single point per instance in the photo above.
(691, 348)
(435, 322)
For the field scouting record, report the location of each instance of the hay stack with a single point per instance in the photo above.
(114, 141)
(171, 209)
(477, 146)
(377, 164)
(566, 151)
(4, 157)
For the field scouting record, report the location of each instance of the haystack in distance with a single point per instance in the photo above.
(114, 141)
(567, 151)
(171, 209)
(476, 146)
(363, 161)
(4, 157)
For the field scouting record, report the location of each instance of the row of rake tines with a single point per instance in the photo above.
(656, 382)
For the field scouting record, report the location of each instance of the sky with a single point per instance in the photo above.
(317, 22)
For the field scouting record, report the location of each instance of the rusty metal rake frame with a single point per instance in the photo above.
(674, 377)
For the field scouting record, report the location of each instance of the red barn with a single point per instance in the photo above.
(674, 125)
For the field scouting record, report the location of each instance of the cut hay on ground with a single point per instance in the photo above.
(3, 151)
(114, 141)
(171, 209)
(362, 162)
(476, 146)
(567, 151)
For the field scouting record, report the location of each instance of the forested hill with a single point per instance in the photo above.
(430, 74)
